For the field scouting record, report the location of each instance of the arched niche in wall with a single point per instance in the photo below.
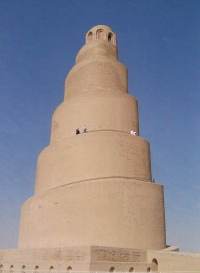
(1, 268)
(149, 269)
(90, 36)
(155, 261)
(36, 267)
(23, 268)
(154, 265)
(51, 268)
(69, 268)
(131, 269)
(100, 34)
(110, 37)
(112, 269)
(11, 268)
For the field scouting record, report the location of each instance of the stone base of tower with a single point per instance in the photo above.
(93, 258)
(98, 259)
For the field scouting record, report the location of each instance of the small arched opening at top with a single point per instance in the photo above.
(131, 269)
(36, 268)
(69, 268)
(100, 34)
(110, 37)
(90, 36)
(23, 268)
(112, 269)
(11, 268)
(1, 268)
(51, 268)
(149, 269)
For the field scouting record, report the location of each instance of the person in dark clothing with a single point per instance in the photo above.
(77, 131)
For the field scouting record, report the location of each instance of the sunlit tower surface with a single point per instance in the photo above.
(95, 206)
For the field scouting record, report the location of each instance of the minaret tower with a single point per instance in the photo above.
(95, 188)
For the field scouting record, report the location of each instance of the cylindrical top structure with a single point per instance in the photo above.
(101, 32)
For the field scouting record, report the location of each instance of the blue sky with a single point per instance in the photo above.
(159, 42)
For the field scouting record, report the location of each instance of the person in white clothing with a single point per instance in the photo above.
(84, 129)
(133, 133)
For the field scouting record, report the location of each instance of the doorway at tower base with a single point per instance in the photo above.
(113, 212)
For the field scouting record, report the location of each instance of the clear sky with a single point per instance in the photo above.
(159, 42)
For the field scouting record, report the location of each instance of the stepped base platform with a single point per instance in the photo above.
(82, 258)
(98, 259)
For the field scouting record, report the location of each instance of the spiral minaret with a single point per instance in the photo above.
(95, 188)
